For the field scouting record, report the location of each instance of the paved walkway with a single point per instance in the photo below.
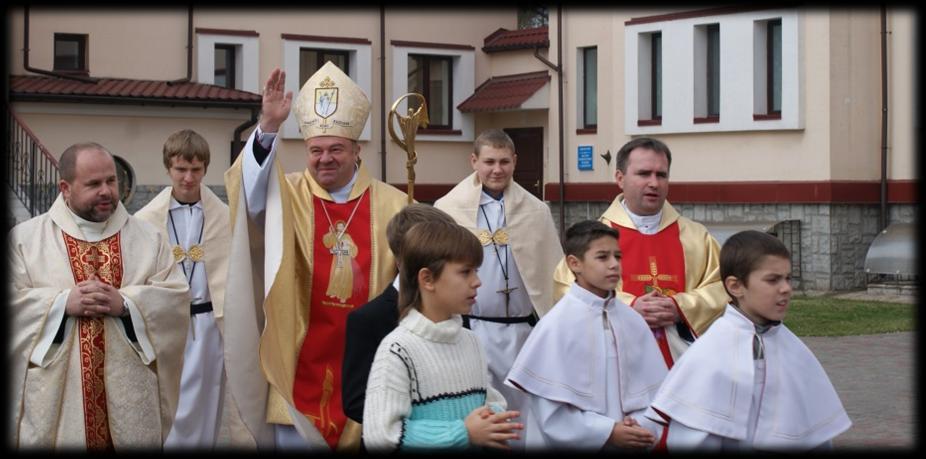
(875, 378)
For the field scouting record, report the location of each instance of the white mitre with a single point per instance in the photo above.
(330, 103)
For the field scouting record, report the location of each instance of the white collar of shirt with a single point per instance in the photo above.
(395, 283)
(341, 194)
(646, 224)
(589, 298)
(93, 231)
(486, 198)
(174, 204)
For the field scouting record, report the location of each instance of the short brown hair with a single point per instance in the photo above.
(646, 143)
(580, 236)
(432, 245)
(743, 251)
(495, 138)
(188, 145)
(67, 163)
(411, 214)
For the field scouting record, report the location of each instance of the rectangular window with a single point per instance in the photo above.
(225, 66)
(707, 73)
(656, 76)
(310, 60)
(773, 43)
(590, 87)
(649, 79)
(71, 53)
(713, 70)
(767, 70)
(431, 76)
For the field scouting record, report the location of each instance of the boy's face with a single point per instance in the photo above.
(599, 269)
(455, 289)
(494, 166)
(768, 293)
(185, 176)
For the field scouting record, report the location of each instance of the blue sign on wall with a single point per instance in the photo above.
(585, 158)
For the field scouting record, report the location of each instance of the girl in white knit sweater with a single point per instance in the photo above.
(429, 384)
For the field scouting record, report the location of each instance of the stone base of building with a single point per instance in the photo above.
(833, 238)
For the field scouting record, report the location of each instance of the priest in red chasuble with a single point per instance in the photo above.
(314, 244)
(670, 265)
(99, 316)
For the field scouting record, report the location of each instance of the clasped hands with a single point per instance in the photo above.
(94, 298)
(492, 430)
(657, 309)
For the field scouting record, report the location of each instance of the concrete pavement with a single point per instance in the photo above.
(875, 376)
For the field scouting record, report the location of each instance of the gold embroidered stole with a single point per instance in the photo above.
(103, 258)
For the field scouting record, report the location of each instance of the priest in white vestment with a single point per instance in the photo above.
(99, 318)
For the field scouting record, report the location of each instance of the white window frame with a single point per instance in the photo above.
(360, 69)
(464, 83)
(246, 59)
(738, 89)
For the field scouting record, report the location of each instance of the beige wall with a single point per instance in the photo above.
(140, 44)
(902, 121)
(855, 99)
(840, 140)
(841, 76)
(137, 136)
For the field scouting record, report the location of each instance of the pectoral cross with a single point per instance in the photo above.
(507, 292)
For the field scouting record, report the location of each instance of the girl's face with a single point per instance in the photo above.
(453, 292)
(768, 293)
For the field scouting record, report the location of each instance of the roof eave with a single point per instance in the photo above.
(141, 101)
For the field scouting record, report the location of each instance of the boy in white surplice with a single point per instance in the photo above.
(749, 383)
(590, 367)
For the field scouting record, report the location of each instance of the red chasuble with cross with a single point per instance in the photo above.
(341, 265)
(103, 259)
(652, 262)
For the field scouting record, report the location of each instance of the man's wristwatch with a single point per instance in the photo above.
(125, 311)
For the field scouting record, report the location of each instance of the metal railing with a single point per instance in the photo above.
(32, 172)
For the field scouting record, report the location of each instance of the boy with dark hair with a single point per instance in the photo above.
(590, 367)
(749, 383)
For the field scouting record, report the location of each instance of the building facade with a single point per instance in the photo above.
(773, 116)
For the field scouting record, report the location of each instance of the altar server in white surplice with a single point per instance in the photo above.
(520, 251)
(195, 222)
(590, 367)
(749, 383)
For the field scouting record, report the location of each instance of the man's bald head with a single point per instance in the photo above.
(88, 181)
(67, 163)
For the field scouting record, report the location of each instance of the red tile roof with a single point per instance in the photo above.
(29, 87)
(504, 92)
(503, 39)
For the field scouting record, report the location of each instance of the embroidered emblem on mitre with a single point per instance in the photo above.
(330, 103)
